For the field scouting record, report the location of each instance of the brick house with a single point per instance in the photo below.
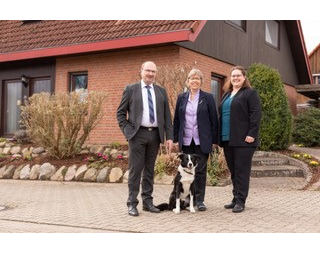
(59, 55)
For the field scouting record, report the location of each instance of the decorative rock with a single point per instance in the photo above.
(38, 150)
(2, 170)
(8, 172)
(46, 170)
(6, 151)
(16, 174)
(2, 144)
(80, 172)
(125, 177)
(70, 173)
(115, 175)
(34, 173)
(90, 175)
(58, 176)
(25, 172)
(102, 175)
(15, 150)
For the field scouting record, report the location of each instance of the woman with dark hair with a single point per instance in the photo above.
(239, 115)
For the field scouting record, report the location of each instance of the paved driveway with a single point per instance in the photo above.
(274, 205)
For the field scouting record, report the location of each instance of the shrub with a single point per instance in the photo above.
(216, 167)
(166, 164)
(22, 136)
(61, 123)
(306, 128)
(276, 123)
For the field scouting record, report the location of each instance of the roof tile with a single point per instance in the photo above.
(17, 36)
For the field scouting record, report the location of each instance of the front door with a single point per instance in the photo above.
(15, 91)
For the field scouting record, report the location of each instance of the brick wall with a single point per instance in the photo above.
(111, 71)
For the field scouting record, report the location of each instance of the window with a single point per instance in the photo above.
(240, 24)
(216, 86)
(316, 79)
(272, 33)
(78, 81)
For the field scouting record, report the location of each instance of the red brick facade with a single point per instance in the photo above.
(111, 71)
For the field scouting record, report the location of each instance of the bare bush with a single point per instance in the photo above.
(173, 78)
(61, 123)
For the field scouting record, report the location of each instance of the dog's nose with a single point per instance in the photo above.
(189, 165)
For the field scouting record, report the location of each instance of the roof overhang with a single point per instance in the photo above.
(309, 90)
(144, 40)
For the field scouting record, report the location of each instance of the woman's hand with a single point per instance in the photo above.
(249, 139)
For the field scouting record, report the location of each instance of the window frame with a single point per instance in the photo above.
(71, 80)
(316, 78)
(220, 80)
(242, 27)
(278, 35)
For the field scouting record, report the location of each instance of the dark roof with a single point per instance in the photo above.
(20, 36)
(298, 49)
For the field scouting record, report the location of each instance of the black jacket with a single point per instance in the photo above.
(207, 120)
(129, 112)
(245, 117)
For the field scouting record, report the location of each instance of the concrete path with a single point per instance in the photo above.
(273, 205)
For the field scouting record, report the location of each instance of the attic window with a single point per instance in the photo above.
(30, 21)
(240, 24)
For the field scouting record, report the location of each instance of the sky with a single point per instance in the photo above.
(311, 33)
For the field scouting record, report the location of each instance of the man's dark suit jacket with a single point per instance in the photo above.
(207, 120)
(132, 104)
(245, 116)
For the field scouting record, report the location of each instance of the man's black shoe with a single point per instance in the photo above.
(230, 205)
(151, 209)
(133, 211)
(238, 208)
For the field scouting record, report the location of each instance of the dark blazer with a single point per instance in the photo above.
(132, 104)
(207, 120)
(245, 117)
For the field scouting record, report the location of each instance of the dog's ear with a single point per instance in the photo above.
(181, 155)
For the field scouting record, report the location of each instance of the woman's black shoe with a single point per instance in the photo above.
(230, 206)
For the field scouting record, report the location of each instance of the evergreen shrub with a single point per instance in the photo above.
(276, 124)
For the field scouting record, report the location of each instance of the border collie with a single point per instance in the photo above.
(183, 192)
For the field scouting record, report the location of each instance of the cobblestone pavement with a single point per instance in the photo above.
(273, 205)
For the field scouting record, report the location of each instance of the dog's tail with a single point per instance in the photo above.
(163, 207)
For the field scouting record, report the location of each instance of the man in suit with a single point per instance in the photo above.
(145, 120)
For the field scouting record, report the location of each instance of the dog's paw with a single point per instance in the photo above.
(176, 210)
(192, 210)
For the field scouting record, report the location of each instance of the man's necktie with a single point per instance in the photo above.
(151, 110)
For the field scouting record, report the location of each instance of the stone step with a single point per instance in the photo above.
(277, 171)
(269, 161)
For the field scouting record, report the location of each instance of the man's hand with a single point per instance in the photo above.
(169, 145)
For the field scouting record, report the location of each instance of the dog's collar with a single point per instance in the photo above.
(190, 173)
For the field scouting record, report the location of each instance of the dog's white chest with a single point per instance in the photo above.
(187, 178)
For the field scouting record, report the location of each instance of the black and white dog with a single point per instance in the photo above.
(183, 192)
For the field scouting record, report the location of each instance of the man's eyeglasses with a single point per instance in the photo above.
(150, 71)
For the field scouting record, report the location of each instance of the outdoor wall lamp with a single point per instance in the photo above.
(25, 80)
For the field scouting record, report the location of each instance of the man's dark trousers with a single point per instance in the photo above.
(143, 151)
